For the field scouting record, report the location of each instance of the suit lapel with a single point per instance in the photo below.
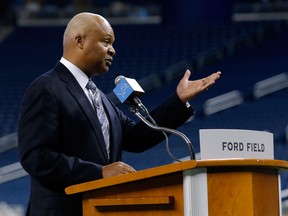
(77, 92)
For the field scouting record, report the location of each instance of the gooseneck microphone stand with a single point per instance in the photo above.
(133, 109)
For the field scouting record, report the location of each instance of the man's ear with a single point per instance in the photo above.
(79, 40)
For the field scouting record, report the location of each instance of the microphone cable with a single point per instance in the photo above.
(154, 126)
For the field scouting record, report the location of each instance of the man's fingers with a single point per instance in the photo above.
(216, 75)
(187, 74)
(126, 168)
(116, 168)
(212, 78)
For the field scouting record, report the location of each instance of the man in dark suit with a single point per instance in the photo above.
(60, 138)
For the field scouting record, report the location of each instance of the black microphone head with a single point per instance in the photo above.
(118, 79)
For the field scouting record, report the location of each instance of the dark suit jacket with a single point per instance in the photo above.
(61, 143)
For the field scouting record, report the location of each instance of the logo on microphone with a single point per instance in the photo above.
(123, 89)
(126, 87)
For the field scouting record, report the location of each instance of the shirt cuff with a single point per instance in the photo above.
(187, 104)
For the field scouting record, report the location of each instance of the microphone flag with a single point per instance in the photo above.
(127, 87)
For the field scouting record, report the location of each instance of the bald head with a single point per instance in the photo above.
(87, 43)
(81, 24)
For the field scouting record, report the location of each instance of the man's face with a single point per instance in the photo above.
(98, 49)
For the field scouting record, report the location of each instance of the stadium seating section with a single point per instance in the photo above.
(246, 53)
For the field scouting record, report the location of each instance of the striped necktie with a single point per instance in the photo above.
(95, 97)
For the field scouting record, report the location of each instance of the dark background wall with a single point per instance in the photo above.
(187, 11)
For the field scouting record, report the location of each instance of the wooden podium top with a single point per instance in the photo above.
(176, 167)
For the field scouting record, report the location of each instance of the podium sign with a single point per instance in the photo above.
(232, 143)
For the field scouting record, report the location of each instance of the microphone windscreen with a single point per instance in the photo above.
(118, 79)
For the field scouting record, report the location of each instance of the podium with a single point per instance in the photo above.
(229, 187)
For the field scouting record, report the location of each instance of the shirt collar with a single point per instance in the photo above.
(79, 75)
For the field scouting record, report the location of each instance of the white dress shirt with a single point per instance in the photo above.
(79, 75)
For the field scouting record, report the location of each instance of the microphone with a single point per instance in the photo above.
(128, 91)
